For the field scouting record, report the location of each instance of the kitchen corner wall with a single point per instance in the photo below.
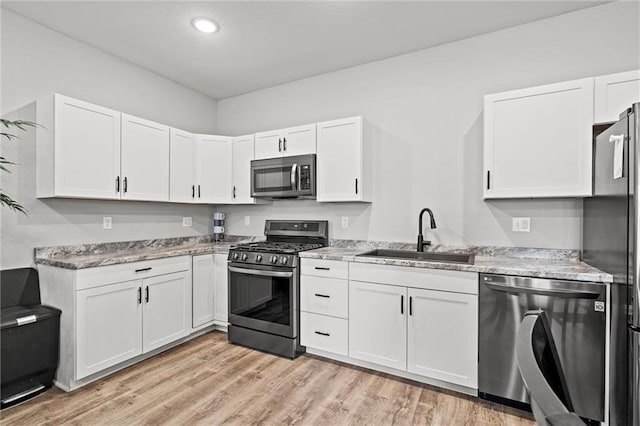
(425, 109)
(37, 61)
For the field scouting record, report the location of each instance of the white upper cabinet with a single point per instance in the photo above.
(78, 149)
(537, 141)
(145, 159)
(182, 166)
(213, 165)
(243, 153)
(342, 161)
(286, 142)
(615, 93)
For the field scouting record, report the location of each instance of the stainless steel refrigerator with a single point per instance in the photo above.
(610, 243)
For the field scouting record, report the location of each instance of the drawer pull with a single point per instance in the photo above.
(323, 295)
(322, 268)
(322, 334)
(143, 269)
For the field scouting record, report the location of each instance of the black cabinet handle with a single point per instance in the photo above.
(139, 295)
(193, 191)
(402, 304)
(279, 145)
(146, 294)
(322, 334)
(356, 185)
(410, 305)
(118, 184)
(488, 179)
(284, 143)
(124, 184)
(234, 191)
(143, 269)
(198, 191)
(322, 268)
(323, 295)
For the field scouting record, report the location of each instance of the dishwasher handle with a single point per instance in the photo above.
(552, 292)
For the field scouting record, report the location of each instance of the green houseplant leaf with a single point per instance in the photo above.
(8, 125)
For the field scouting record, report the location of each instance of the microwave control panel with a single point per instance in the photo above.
(305, 177)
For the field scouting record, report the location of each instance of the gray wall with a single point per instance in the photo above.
(426, 111)
(37, 61)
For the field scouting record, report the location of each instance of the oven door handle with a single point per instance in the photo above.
(261, 273)
(294, 172)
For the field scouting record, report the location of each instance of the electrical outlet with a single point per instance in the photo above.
(345, 221)
(107, 222)
(247, 221)
(521, 224)
(187, 221)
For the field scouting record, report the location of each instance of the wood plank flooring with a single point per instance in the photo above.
(209, 381)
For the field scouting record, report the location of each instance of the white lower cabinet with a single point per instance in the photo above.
(203, 290)
(220, 279)
(442, 336)
(112, 314)
(109, 330)
(165, 316)
(325, 333)
(378, 324)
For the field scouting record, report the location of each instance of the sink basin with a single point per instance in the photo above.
(463, 258)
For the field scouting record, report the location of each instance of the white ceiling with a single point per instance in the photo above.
(262, 44)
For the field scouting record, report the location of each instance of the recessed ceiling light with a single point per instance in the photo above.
(204, 25)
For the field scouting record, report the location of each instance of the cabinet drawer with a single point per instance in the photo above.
(325, 268)
(102, 275)
(325, 296)
(324, 333)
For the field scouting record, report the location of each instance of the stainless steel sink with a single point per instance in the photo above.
(464, 258)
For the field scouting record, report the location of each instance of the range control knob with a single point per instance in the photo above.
(274, 259)
(259, 258)
(235, 256)
(283, 260)
(245, 256)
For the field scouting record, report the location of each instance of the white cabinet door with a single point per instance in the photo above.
(220, 301)
(378, 324)
(145, 159)
(268, 144)
(182, 166)
(614, 93)
(214, 164)
(339, 160)
(166, 316)
(78, 149)
(299, 140)
(243, 153)
(537, 141)
(203, 290)
(109, 326)
(443, 336)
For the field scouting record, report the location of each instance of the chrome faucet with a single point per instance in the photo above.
(421, 241)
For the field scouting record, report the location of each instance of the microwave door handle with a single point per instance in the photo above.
(294, 172)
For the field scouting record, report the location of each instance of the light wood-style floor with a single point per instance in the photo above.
(209, 381)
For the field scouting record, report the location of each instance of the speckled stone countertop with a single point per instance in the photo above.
(541, 263)
(103, 254)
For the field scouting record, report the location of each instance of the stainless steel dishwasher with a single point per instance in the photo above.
(576, 312)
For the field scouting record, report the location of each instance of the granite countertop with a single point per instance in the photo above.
(543, 263)
(103, 254)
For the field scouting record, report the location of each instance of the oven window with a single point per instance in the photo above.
(261, 298)
(272, 179)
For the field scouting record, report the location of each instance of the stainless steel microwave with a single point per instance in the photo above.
(284, 177)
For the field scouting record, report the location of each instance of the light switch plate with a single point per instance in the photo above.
(107, 223)
(187, 221)
(247, 220)
(345, 221)
(521, 224)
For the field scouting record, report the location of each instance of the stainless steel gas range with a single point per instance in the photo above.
(264, 292)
